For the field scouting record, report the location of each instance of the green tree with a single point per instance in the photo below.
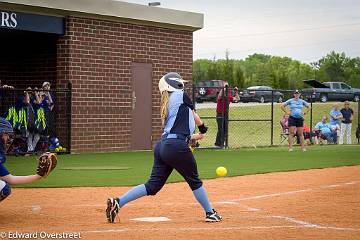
(279, 67)
(278, 72)
(332, 67)
(254, 69)
(352, 72)
(238, 75)
(214, 70)
(201, 69)
(228, 69)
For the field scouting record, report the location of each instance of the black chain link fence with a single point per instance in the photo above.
(38, 128)
(252, 117)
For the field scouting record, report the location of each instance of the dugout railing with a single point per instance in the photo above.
(253, 121)
(55, 136)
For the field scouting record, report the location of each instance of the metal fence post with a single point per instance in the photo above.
(272, 118)
(311, 120)
(358, 126)
(226, 119)
(222, 132)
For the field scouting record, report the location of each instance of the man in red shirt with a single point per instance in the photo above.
(222, 115)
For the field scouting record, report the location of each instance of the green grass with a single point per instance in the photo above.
(248, 134)
(237, 162)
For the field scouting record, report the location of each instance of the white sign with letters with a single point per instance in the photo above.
(8, 20)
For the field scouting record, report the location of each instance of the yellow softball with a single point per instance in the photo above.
(221, 171)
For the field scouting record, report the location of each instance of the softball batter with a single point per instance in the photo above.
(172, 150)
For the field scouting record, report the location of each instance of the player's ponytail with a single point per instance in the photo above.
(164, 106)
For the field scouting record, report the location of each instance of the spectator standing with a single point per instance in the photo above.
(296, 119)
(222, 115)
(236, 95)
(47, 103)
(335, 119)
(31, 135)
(347, 114)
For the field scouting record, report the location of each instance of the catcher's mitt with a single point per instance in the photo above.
(47, 163)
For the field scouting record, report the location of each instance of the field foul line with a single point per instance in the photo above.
(293, 192)
(227, 228)
(310, 225)
(293, 220)
(270, 195)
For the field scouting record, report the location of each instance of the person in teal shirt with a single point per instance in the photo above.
(296, 118)
(325, 129)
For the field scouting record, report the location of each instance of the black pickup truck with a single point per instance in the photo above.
(334, 91)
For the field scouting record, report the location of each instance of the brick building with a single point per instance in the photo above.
(113, 53)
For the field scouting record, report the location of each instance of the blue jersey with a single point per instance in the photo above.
(323, 127)
(296, 107)
(180, 119)
(3, 170)
(334, 113)
(45, 103)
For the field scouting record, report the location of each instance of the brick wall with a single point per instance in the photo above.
(96, 56)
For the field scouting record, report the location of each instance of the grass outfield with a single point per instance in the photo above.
(93, 169)
(243, 134)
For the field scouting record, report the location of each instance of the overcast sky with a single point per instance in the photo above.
(305, 30)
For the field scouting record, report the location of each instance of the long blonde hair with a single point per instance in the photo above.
(164, 107)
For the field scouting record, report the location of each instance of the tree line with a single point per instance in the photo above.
(278, 72)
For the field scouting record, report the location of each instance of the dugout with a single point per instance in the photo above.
(112, 53)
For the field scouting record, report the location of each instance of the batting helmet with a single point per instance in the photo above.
(5, 126)
(171, 82)
(55, 142)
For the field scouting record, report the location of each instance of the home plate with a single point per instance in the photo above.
(151, 219)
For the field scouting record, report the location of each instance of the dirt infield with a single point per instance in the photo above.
(313, 204)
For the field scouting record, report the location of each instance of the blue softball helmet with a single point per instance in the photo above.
(54, 142)
(171, 82)
(5, 126)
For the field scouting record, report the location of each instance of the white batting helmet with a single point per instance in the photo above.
(171, 82)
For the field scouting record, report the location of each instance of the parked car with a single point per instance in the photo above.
(207, 90)
(261, 94)
(336, 91)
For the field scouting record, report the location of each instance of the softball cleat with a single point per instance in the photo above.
(112, 209)
(213, 217)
